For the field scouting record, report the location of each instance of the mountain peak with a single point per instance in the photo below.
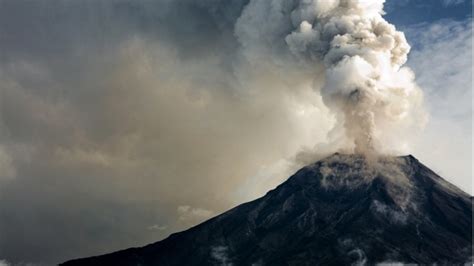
(345, 209)
(349, 170)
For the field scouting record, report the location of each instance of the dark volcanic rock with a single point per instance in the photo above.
(343, 210)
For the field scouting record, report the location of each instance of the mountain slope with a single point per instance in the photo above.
(343, 210)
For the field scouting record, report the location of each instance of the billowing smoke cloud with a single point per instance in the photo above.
(113, 114)
(360, 56)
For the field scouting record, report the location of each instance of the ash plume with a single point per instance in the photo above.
(357, 57)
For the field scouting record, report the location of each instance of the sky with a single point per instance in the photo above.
(440, 33)
(122, 122)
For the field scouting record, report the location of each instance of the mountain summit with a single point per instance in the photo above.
(342, 210)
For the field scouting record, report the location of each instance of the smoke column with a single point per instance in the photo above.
(365, 84)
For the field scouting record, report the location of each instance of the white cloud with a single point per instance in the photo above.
(193, 215)
(452, 2)
(442, 61)
(4, 263)
(157, 227)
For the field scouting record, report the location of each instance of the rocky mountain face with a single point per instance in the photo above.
(343, 210)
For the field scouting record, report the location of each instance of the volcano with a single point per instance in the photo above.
(342, 210)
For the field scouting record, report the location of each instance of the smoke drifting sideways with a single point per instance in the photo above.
(364, 83)
(115, 113)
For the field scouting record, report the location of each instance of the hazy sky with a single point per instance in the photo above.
(124, 121)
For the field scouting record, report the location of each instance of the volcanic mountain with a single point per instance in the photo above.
(342, 210)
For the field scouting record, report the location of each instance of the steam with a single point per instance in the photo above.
(364, 83)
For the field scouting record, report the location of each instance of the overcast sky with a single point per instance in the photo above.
(124, 121)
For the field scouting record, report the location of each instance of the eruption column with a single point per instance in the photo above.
(365, 83)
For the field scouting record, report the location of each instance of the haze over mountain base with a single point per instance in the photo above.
(342, 210)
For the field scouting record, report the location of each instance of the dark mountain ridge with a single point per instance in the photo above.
(342, 210)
